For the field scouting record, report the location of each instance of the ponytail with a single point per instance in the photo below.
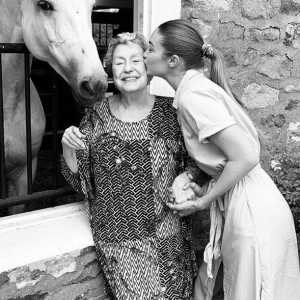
(218, 76)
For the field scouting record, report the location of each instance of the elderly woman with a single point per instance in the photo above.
(123, 158)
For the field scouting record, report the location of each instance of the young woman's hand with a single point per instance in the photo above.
(191, 206)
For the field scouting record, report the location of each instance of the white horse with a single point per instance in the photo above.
(56, 31)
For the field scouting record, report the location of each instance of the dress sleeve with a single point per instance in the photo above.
(70, 177)
(83, 183)
(191, 166)
(205, 111)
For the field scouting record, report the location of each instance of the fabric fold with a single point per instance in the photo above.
(213, 248)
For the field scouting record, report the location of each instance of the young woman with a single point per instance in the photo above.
(259, 246)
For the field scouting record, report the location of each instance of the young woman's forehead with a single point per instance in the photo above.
(155, 39)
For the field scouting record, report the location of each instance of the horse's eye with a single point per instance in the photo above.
(44, 5)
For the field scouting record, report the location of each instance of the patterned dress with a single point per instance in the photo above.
(145, 250)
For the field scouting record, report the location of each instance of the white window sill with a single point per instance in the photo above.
(42, 234)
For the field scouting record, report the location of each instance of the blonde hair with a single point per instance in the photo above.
(124, 39)
(182, 38)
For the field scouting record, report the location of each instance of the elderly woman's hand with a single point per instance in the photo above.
(190, 206)
(180, 194)
(73, 138)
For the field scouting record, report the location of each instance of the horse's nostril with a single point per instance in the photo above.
(86, 89)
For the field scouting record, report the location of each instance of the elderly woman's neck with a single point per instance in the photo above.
(136, 99)
(131, 107)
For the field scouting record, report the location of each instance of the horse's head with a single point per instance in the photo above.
(59, 32)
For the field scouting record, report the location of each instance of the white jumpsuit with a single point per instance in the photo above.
(257, 241)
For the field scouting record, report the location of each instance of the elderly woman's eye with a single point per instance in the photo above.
(44, 5)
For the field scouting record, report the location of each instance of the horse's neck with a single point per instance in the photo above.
(12, 64)
(10, 21)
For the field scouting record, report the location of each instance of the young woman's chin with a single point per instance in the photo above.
(149, 73)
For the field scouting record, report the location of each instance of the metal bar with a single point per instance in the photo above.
(13, 48)
(54, 128)
(47, 133)
(50, 194)
(28, 122)
(2, 151)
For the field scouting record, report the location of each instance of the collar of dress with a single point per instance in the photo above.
(187, 76)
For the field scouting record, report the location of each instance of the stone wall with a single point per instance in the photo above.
(49, 254)
(260, 40)
(72, 276)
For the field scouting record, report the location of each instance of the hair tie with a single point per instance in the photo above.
(207, 50)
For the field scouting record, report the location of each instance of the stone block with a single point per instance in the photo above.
(185, 3)
(292, 35)
(186, 13)
(230, 59)
(208, 5)
(268, 34)
(203, 28)
(251, 56)
(291, 7)
(207, 16)
(293, 104)
(256, 9)
(3, 278)
(293, 133)
(231, 31)
(71, 276)
(271, 120)
(259, 96)
(290, 88)
(275, 66)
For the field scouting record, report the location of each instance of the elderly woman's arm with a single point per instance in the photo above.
(75, 153)
(72, 141)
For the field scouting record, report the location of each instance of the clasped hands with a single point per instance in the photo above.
(187, 197)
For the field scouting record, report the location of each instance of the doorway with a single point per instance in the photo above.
(109, 18)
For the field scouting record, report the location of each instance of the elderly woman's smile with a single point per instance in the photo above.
(128, 68)
(130, 78)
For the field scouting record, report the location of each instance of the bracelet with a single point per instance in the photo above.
(190, 176)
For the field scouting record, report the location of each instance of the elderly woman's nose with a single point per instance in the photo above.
(128, 67)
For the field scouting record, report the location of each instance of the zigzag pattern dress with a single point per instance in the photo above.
(145, 250)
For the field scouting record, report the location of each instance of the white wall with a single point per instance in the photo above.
(42, 234)
(154, 13)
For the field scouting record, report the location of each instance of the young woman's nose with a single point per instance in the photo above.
(145, 54)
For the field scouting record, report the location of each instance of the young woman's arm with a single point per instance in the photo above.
(242, 158)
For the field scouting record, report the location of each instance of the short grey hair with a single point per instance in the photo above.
(123, 39)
